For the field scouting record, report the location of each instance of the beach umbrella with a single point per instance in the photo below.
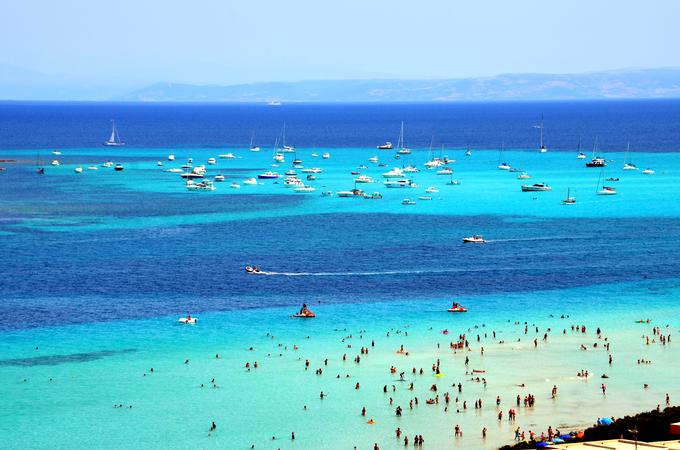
(605, 421)
(565, 436)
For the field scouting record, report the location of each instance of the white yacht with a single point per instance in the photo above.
(394, 173)
(536, 187)
(363, 179)
(268, 175)
(402, 183)
(410, 169)
(627, 165)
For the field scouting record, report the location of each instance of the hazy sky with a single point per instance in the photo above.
(202, 41)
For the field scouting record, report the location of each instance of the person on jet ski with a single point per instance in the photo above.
(304, 309)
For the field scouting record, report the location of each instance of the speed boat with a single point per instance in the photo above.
(227, 156)
(648, 171)
(408, 201)
(432, 190)
(92, 168)
(78, 169)
(457, 308)
(326, 155)
(56, 152)
(386, 146)
(504, 166)
(219, 177)
(253, 269)
(118, 167)
(188, 320)
(536, 187)
(475, 239)
(212, 161)
(305, 189)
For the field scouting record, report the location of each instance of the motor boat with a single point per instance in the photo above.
(403, 183)
(253, 270)
(171, 157)
(235, 185)
(159, 163)
(315, 155)
(596, 162)
(255, 149)
(279, 157)
(457, 308)
(118, 167)
(410, 169)
(78, 169)
(326, 155)
(373, 159)
(468, 152)
(523, 176)
(394, 173)
(373, 196)
(432, 190)
(363, 179)
(404, 151)
(386, 146)
(219, 178)
(453, 182)
(504, 166)
(173, 170)
(352, 193)
(445, 171)
(424, 197)
(250, 181)
(92, 168)
(107, 164)
(648, 171)
(191, 175)
(268, 175)
(311, 178)
(212, 161)
(188, 320)
(475, 239)
(408, 201)
(55, 162)
(56, 152)
(536, 187)
(434, 163)
(227, 156)
(205, 185)
(581, 155)
(290, 173)
(312, 170)
(327, 194)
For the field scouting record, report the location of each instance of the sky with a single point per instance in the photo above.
(226, 42)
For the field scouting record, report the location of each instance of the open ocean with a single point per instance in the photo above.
(98, 266)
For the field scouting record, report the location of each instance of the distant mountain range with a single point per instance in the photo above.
(620, 84)
(20, 84)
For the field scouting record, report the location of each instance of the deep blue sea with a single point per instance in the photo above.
(97, 265)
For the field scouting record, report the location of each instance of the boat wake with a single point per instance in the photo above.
(544, 238)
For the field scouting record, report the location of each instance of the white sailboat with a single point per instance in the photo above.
(604, 190)
(253, 148)
(285, 148)
(114, 140)
(402, 149)
(502, 165)
(542, 148)
(627, 165)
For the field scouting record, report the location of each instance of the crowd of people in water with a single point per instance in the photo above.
(452, 396)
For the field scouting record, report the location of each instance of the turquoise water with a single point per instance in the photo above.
(101, 264)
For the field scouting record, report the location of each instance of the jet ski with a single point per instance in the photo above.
(188, 320)
(252, 269)
(457, 307)
(304, 313)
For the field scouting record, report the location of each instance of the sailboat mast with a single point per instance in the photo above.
(541, 131)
